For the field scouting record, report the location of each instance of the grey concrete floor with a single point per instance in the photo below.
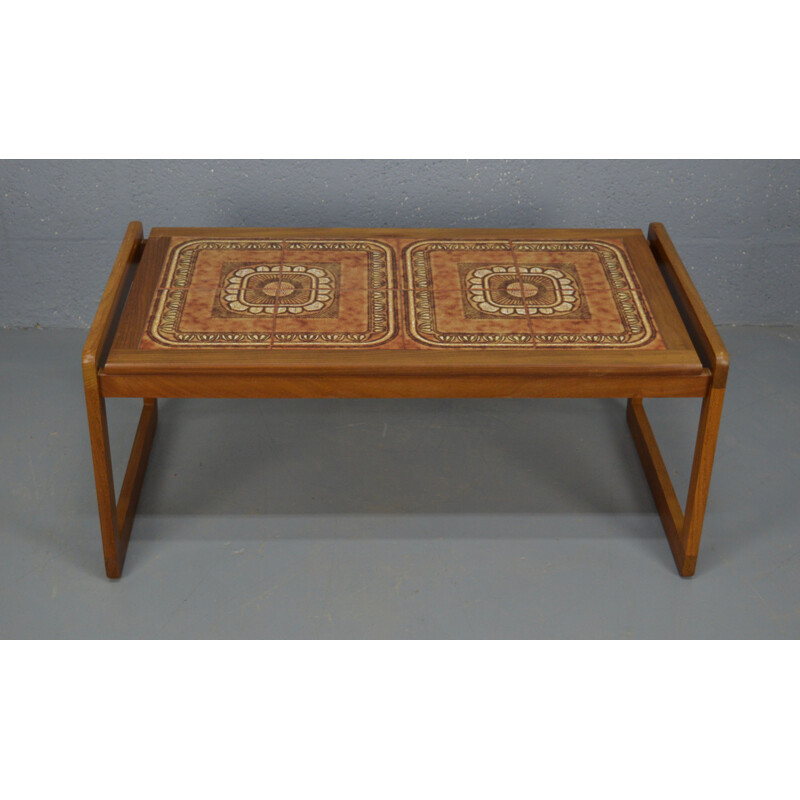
(397, 519)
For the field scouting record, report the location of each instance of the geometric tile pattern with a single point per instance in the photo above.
(559, 294)
(275, 293)
(278, 289)
(498, 289)
(395, 294)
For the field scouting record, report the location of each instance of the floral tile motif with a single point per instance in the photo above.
(275, 293)
(558, 294)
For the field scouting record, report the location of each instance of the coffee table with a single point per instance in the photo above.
(402, 313)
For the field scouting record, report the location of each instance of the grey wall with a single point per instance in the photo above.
(736, 223)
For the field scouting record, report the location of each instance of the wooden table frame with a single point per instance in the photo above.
(499, 374)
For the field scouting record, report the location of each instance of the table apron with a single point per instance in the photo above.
(220, 385)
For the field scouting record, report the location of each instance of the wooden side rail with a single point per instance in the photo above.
(102, 330)
(698, 321)
(683, 530)
(116, 517)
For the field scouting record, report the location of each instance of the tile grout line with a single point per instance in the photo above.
(400, 298)
(524, 296)
(277, 296)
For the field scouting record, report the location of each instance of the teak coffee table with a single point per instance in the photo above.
(268, 312)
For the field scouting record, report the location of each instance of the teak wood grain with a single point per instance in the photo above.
(200, 385)
(401, 362)
(694, 363)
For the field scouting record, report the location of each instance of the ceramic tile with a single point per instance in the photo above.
(626, 324)
(454, 320)
(592, 299)
(195, 317)
(463, 294)
(443, 265)
(356, 264)
(353, 319)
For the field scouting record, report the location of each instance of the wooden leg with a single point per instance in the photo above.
(683, 531)
(116, 518)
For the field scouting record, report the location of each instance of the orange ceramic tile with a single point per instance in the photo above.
(182, 317)
(600, 304)
(358, 264)
(453, 320)
(365, 319)
(441, 265)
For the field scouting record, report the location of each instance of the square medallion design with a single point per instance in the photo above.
(520, 290)
(275, 293)
(279, 289)
(516, 294)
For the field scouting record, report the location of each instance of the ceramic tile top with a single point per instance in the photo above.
(512, 294)
(276, 293)
(399, 294)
